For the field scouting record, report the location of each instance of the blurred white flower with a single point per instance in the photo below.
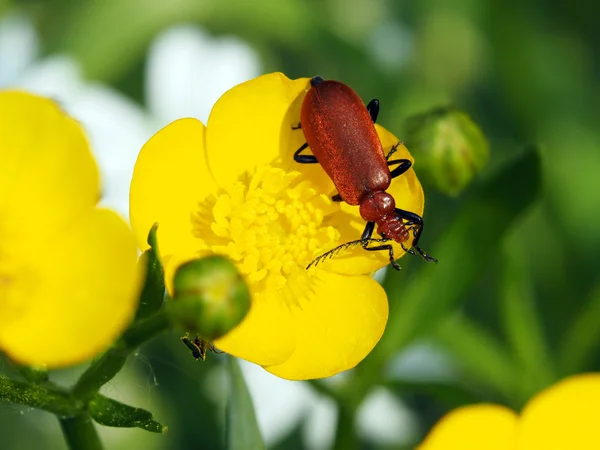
(319, 430)
(188, 70)
(384, 420)
(280, 404)
(18, 47)
(423, 361)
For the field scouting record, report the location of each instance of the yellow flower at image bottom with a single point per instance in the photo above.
(563, 417)
(68, 277)
(232, 188)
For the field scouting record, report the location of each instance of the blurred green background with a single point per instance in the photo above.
(514, 303)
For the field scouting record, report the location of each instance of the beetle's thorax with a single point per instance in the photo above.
(376, 205)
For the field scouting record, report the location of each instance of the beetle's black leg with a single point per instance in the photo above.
(366, 240)
(212, 348)
(417, 222)
(412, 219)
(368, 231)
(304, 159)
(404, 165)
(410, 251)
(373, 108)
(337, 198)
(297, 127)
(387, 247)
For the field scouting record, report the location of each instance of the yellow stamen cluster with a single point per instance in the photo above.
(271, 224)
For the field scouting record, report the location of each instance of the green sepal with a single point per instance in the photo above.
(153, 293)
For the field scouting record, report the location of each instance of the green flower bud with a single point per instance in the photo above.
(210, 297)
(448, 147)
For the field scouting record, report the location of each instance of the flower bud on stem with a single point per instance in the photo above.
(210, 297)
(449, 149)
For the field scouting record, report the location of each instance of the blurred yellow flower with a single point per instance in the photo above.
(68, 277)
(232, 188)
(563, 417)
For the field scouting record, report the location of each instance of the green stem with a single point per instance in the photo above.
(332, 392)
(52, 400)
(345, 435)
(110, 363)
(80, 432)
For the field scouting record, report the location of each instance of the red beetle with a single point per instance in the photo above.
(341, 133)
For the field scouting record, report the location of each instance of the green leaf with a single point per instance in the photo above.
(464, 251)
(480, 355)
(153, 293)
(111, 413)
(452, 393)
(108, 56)
(242, 428)
(581, 342)
(521, 324)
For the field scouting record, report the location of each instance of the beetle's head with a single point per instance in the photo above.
(393, 228)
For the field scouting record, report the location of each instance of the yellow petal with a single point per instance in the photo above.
(478, 427)
(72, 299)
(564, 416)
(407, 192)
(251, 125)
(336, 328)
(265, 335)
(170, 177)
(48, 176)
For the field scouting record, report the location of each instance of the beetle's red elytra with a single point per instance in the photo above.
(340, 131)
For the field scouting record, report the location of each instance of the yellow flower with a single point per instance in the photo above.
(232, 188)
(68, 277)
(563, 417)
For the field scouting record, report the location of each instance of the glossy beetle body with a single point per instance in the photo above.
(340, 131)
(341, 134)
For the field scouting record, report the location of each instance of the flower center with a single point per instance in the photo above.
(271, 224)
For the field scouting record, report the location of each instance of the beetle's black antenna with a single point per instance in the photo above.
(416, 234)
(343, 247)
